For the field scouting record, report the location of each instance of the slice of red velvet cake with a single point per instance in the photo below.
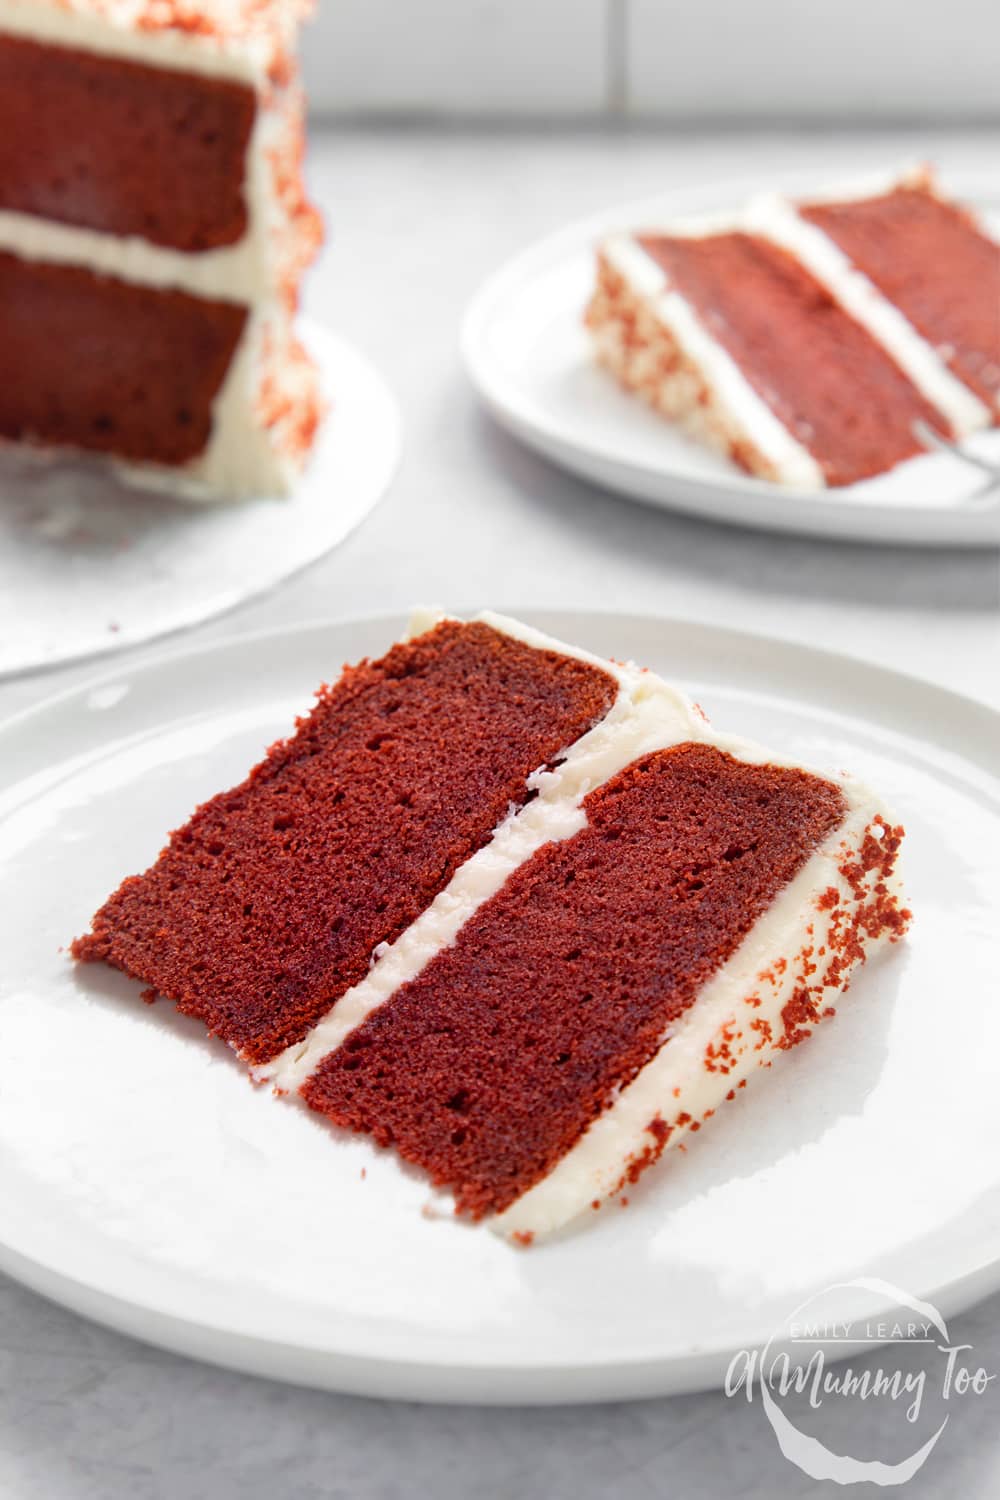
(806, 340)
(516, 911)
(153, 233)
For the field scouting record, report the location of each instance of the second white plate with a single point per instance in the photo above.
(145, 1183)
(529, 357)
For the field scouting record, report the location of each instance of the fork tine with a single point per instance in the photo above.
(928, 438)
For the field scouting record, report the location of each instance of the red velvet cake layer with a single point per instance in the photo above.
(112, 145)
(101, 364)
(929, 258)
(818, 370)
(490, 1065)
(268, 904)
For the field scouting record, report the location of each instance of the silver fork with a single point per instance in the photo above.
(931, 440)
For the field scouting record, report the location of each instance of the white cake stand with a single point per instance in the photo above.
(89, 566)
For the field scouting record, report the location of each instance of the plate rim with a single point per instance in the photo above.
(495, 1376)
(775, 507)
(177, 646)
(428, 1378)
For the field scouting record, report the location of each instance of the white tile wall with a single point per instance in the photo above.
(915, 59)
(862, 59)
(535, 57)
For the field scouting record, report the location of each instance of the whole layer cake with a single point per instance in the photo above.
(153, 234)
(516, 911)
(806, 340)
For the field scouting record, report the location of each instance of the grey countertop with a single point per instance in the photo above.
(418, 218)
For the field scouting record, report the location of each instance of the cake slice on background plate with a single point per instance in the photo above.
(154, 229)
(805, 341)
(515, 910)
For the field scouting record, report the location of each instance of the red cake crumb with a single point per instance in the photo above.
(646, 1157)
(799, 1016)
(826, 378)
(661, 1133)
(719, 1055)
(876, 915)
(290, 403)
(268, 904)
(286, 158)
(488, 1066)
(763, 1029)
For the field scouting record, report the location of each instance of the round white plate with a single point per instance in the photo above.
(88, 565)
(144, 1182)
(529, 357)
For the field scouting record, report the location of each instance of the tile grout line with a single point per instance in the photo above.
(616, 57)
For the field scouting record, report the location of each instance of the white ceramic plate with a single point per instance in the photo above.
(529, 358)
(89, 566)
(144, 1182)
